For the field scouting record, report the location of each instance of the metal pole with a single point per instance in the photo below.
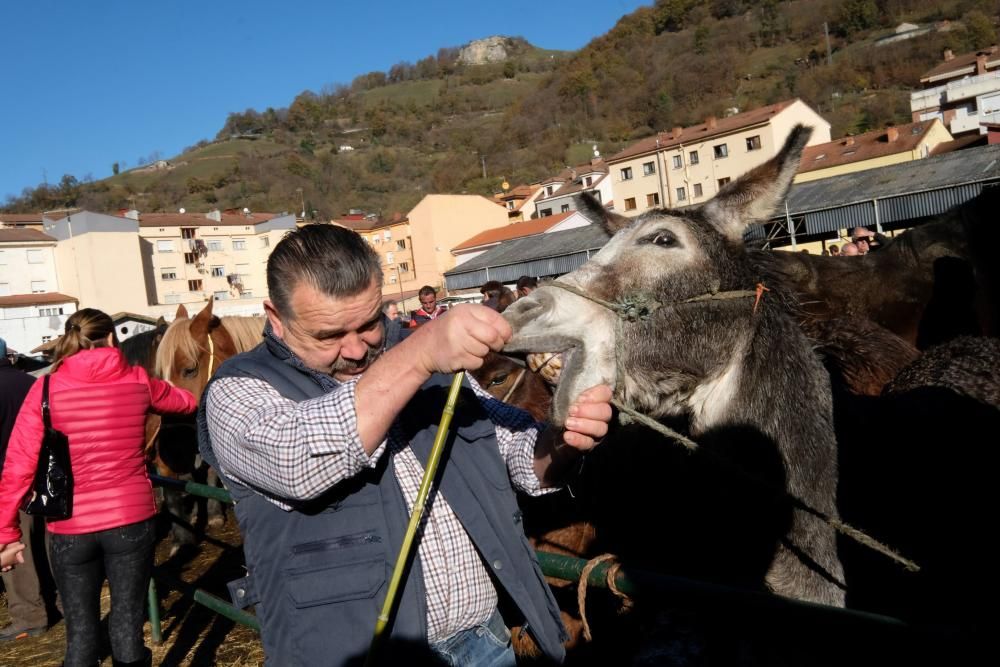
(155, 629)
(878, 218)
(791, 225)
(383, 621)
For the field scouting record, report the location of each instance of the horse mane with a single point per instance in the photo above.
(246, 333)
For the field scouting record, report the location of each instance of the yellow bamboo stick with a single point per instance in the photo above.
(389, 606)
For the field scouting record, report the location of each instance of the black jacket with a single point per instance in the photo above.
(14, 386)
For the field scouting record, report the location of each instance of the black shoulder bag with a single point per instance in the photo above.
(51, 493)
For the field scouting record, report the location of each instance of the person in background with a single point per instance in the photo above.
(526, 285)
(25, 603)
(429, 310)
(100, 402)
(396, 329)
(834, 250)
(850, 250)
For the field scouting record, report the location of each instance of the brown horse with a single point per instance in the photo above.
(190, 351)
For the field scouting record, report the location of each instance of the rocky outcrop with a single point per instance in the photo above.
(481, 51)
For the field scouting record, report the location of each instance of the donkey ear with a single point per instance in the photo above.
(594, 211)
(182, 313)
(754, 196)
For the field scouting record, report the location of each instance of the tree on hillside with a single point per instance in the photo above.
(856, 16)
(979, 30)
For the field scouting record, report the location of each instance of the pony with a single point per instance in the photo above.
(689, 343)
(190, 351)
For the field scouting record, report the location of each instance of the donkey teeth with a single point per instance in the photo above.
(547, 364)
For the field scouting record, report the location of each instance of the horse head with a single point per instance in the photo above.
(630, 299)
(510, 381)
(192, 349)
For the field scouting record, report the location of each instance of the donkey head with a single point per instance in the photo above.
(662, 257)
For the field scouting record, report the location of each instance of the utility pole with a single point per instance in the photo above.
(829, 53)
(484, 165)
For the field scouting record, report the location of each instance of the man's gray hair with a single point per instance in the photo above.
(334, 260)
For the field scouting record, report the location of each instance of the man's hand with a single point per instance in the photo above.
(10, 555)
(589, 416)
(460, 339)
(558, 450)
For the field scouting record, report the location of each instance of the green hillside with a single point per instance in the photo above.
(386, 139)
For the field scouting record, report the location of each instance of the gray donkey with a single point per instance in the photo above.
(703, 350)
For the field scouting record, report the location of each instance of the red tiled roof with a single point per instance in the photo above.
(863, 147)
(367, 225)
(956, 65)
(199, 219)
(665, 140)
(514, 231)
(21, 218)
(22, 235)
(15, 300)
(520, 191)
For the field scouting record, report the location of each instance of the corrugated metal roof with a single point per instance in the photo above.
(542, 255)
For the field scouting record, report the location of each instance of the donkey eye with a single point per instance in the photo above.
(498, 379)
(664, 239)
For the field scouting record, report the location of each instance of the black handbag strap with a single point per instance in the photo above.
(45, 403)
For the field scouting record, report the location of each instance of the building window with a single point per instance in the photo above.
(682, 194)
(168, 273)
(239, 244)
(404, 267)
(38, 286)
(723, 181)
(753, 143)
(545, 212)
(377, 240)
(510, 205)
(678, 161)
(548, 190)
(243, 271)
(627, 174)
(392, 278)
(187, 232)
(164, 246)
(46, 339)
(246, 294)
(630, 204)
(171, 298)
(49, 312)
(697, 189)
(401, 244)
(388, 258)
(215, 245)
(218, 271)
(387, 235)
(693, 157)
(265, 241)
(35, 257)
(721, 151)
(653, 199)
(597, 194)
(194, 285)
(220, 295)
(648, 168)
(564, 208)
(588, 181)
(190, 258)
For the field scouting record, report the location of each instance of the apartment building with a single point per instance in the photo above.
(392, 241)
(688, 165)
(520, 201)
(963, 91)
(878, 148)
(189, 258)
(559, 195)
(32, 310)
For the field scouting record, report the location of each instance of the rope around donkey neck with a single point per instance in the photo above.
(640, 307)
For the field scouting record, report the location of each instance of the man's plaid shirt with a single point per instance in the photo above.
(290, 451)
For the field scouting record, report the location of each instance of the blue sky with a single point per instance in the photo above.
(84, 84)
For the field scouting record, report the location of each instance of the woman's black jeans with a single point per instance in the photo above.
(80, 562)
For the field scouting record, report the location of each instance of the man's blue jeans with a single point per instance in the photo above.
(486, 645)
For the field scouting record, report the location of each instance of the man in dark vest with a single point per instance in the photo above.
(322, 438)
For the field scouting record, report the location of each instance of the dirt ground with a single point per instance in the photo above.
(192, 635)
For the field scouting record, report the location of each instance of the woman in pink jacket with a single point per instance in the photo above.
(100, 403)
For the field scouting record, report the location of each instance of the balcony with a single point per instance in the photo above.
(954, 91)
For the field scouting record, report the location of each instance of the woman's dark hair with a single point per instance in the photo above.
(85, 329)
(334, 260)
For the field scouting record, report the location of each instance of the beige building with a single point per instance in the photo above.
(190, 258)
(98, 260)
(416, 249)
(878, 148)
(520, 201)
(688, 165)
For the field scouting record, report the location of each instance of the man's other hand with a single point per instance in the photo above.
(589, 416)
